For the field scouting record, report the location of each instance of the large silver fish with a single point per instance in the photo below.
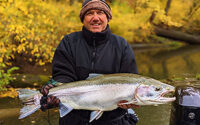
(100, 93)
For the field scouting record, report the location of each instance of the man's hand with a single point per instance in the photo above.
(126, 106)
(45, 89)
(49, 102)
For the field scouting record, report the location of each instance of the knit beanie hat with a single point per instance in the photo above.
(95, 4)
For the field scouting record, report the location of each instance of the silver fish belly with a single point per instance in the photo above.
(100, 93)
(96, 97)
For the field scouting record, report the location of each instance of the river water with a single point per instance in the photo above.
(157, 62)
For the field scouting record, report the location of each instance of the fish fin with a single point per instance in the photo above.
(64, 109)
(93, 75)
(25, 94)
(95, 115)
(28, 110)
(99, 115)
(31, 100)
(131, 111)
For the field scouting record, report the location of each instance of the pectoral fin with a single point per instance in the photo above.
(64, 109)
(131, 111)
(95, 115)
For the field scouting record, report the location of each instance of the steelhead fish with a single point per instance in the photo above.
(100, 93)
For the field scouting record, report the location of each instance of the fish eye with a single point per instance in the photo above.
(157, 89)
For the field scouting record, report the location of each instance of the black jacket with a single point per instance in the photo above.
(81, 53)
(84, 52)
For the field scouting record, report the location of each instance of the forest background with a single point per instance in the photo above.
(30, 30)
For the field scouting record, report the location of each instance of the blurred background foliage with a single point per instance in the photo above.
(32, 29)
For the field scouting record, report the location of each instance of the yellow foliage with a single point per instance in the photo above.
(131, 25)
(161, 18)
(33, 29)
(179, 9)
(11, 92)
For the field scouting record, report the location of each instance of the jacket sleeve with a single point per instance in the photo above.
(63, 66)
(128, 61)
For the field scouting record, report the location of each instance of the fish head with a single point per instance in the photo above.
(153, 95)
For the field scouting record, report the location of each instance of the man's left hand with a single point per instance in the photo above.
(126, 106)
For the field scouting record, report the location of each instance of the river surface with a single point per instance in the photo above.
(160, 63)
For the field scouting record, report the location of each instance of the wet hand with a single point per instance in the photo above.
(49, 102)
(126, 106)
(45, 89)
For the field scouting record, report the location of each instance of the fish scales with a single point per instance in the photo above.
(96, 97)
(100, 93)
(104, 79)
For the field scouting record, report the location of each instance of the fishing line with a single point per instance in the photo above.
(48, 118)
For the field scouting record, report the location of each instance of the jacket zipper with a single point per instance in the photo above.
(93, 54)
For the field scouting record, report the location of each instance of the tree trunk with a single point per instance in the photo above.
(172, 34)
(177, 35)
(167, 6)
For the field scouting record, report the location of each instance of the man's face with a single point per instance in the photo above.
(95, 20)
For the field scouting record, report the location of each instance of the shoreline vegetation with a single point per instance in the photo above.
(31, 30)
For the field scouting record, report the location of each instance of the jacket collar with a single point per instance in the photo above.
(95, 39)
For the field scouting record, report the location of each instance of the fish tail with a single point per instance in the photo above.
(30, 100)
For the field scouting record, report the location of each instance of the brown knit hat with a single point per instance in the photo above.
(95, 4)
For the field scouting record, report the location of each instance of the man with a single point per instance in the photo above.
(93, 50)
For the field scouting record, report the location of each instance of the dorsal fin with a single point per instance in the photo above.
(93, 75)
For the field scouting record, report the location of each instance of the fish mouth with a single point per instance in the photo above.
(169, 93)
(162, 97)
(166, 97)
